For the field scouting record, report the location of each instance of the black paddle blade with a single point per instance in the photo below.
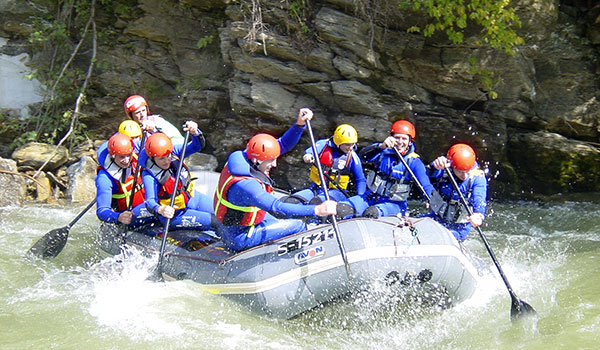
(520, 308)
(51, 244)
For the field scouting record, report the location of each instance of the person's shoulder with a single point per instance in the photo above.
(238, 164)
(102, 176)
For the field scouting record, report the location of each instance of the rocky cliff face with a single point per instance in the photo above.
(191, 59)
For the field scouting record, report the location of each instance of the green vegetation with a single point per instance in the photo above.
(64, 43)
(298, 10)
(205, 41)
(497, 20)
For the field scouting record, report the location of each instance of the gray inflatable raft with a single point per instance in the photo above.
(284, 278)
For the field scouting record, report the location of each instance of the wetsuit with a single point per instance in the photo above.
(448, 209)
(339, 166)
(114, 186)
(244, 203)
(388, 182)
(193, 209)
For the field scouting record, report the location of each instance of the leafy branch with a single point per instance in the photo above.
(497, 19)
(81, 96)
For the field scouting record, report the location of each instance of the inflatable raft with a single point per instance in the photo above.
(287, 277)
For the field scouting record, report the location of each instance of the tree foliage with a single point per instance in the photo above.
(495, 17)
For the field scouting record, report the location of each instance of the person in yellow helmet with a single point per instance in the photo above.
(340, 164)
(130, 128)
(133, 130)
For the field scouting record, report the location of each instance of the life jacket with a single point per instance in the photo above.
(123, 179)
(166, 178)
(231, 214)
(448, 208)
(387, 180)
(336, 168)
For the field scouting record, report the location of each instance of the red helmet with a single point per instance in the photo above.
(159, 145)
(403, 127)
(461, 156)
(120, 144)
(262, 147)
(134, 102)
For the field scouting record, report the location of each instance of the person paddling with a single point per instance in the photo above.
(115, 181)
(339, 161)
(159, 161)
(446, 206)
(388, 181)
(244, 202)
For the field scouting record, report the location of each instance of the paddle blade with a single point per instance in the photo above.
(519, 308)
(51, 244)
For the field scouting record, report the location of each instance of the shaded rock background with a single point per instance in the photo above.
(540, 136)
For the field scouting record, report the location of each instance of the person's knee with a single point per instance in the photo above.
(293, 199)
(315, 201)
(344, 211)
(371, 212)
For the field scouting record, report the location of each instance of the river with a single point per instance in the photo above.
(84, 300)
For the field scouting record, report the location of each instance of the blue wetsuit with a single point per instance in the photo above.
(388, 183)
(198, 209)
(250, 191)
(473, 188)
(340, 163)
(109, 181)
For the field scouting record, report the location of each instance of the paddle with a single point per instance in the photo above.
(157, 274)
(122, 227)
(53, 242)
(518, 307)
(137, 174)
(412, 174)
(326, 192)
(337, 185)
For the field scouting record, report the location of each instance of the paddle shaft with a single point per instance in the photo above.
(337, 185)
(412, 174)
(326, 192)
(515, 301)
(82, 213)
(166, 229)
(136, 175)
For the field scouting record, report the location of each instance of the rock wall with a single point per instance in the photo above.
(191, 60)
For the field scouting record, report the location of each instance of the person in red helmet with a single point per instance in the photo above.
(388, 181)
(446, 203)
(160, 160)
(243, 200)
(115, 181)
(136, 107)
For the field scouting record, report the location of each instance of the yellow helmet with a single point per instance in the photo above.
(345, 134)
(130, 128)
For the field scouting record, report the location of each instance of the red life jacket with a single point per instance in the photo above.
(185, 187)
(231, 214)
(120, 199)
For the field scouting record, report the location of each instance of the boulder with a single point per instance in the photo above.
(35, 154)
(82, 186)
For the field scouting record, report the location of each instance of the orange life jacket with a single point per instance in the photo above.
(231, 214)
